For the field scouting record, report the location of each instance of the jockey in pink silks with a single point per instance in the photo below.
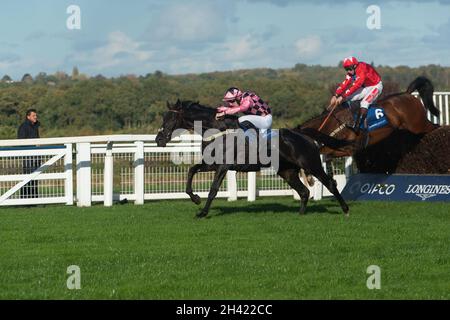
(257, 113)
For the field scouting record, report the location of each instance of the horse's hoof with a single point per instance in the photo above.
(201, 214)
(196, 199)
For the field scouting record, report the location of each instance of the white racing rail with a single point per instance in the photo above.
(119, 167)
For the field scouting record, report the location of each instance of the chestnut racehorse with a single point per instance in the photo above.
(403, 111)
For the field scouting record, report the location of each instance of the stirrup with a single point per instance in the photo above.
(361, 120)
(356, 128)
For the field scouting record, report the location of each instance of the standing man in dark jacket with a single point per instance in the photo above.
(29, 129)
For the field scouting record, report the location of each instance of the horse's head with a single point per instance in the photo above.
(184, 114)
(172, 120)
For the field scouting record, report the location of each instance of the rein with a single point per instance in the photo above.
(328, 117)
(342, 124)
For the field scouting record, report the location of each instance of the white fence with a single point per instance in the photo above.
(132, 167)
(36, 175)
(115, 168)
(441, 100)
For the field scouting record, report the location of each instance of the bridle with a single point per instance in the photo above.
(341, 124)
(160, 130)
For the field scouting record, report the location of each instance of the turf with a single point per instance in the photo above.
(260, 250)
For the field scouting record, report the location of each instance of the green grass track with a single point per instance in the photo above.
(260, 250)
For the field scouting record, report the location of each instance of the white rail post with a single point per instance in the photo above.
(232, 185)
(447, 111)
(348, 167)
(139, 177)
(295, 193)
(68, 169)
(318, 186)
(84, 174)
(435, 119)
(108, 175)
(251, 196)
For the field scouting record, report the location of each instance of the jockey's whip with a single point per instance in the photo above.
(328, 117)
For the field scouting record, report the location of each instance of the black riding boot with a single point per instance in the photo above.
(362, 114)
(357, 125)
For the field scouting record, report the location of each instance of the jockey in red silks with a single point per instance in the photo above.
(257, 113)
(362, 83)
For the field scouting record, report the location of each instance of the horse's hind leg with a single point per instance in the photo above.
(192, 172)
(218, 178)
(291, 177)
(331, 185)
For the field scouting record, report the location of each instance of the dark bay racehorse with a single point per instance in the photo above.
(296, 152)
(403, 111)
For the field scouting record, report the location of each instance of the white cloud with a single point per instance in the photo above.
(119, 49)
(309, 46)
(243, 48)
(191, 22)
(11, 62)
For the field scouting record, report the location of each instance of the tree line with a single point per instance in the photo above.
(77, 104)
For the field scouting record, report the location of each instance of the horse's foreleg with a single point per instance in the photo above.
(331, 164)
(218, 178)
(291, 177)
(192, 171)
(331, 185)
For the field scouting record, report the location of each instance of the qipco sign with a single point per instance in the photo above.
(381, 189)
(397, 187)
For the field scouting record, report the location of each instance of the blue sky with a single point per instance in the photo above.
(140, 36)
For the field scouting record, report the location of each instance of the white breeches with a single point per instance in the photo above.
(261, 122)
(367, 95)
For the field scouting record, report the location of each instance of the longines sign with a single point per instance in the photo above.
(398, 187)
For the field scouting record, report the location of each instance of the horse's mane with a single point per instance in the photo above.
(324, 112)
(197, 107)
(189, 104)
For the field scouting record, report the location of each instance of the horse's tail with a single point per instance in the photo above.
(324, 139)
(426, 90)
